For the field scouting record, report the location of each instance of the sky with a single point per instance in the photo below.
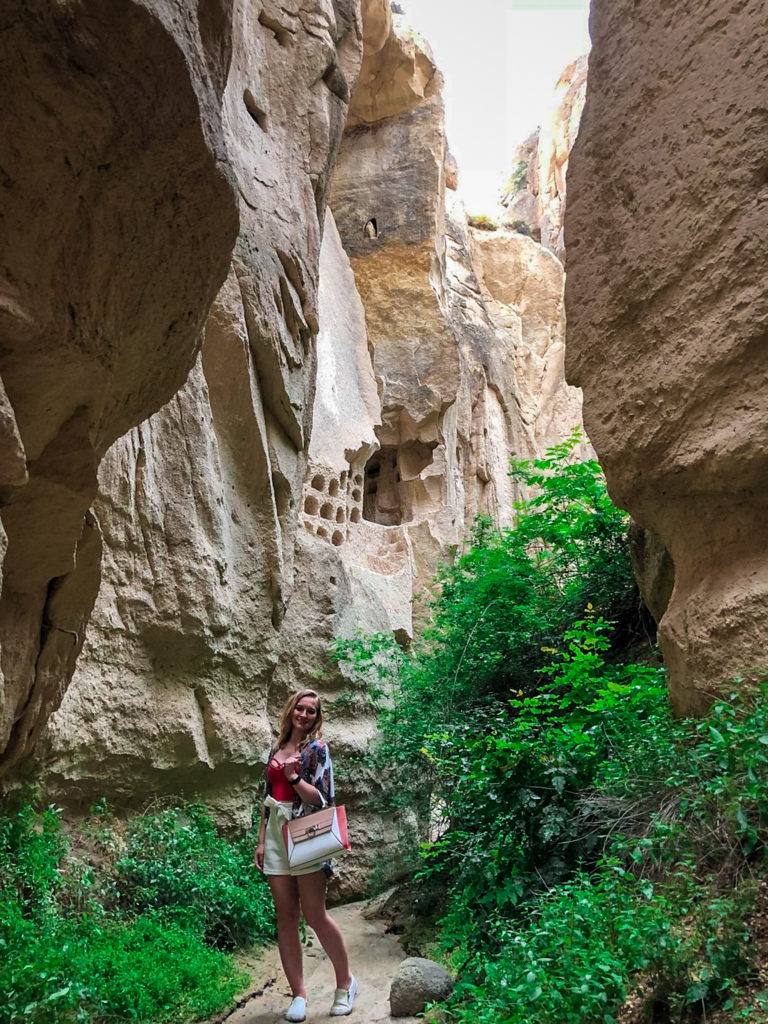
(501, 60)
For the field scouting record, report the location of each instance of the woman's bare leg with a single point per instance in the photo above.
(285, 894)
(312, 896)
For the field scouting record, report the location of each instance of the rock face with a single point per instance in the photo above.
(666, 226)
(536, 197)
(447, 351)
(119, 217)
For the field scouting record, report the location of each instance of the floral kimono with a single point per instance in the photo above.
(315, 768)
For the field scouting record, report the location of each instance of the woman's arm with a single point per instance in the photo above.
(258, 856)
(306, 792)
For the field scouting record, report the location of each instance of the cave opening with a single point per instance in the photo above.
(390, 473)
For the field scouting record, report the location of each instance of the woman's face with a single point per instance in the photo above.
(305, 714)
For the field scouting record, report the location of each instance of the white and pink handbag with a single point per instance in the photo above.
(316, 837)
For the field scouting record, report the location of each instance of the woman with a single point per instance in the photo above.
(299, 780)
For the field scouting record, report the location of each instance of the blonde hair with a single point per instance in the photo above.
(285, 725)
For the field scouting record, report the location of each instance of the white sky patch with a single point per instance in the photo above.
(501, 60)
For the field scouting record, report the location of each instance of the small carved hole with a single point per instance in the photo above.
(318, 482)
(326, 510)
(338, 538)
(340, 516)
(371, 229)
(354, 515)
(311, 505)
(333, 488)
(322, 532)
(356, 495)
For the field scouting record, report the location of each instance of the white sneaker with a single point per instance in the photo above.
(297, 1011)
(343, 999)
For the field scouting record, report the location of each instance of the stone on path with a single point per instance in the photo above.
(418, 981)
(374, 958)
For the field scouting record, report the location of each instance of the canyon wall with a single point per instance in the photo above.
(534, 198)
(668, 312)
(119, 215)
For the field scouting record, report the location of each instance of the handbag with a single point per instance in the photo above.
(316, 837)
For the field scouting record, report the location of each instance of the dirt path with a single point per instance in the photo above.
(374, 957)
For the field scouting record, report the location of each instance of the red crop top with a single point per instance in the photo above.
(281, 788)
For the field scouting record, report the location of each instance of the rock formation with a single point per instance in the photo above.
(535, 198)
(666, 227)
(119, 216)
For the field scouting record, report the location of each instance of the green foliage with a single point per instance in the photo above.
(104, 925)
(522, 227)
(517, 178)
(582, 842)
(511, 593)
(483, 222)
(176, 859)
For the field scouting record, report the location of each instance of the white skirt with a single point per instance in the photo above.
(275, 857)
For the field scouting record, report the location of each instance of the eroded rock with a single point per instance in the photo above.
(119, 217)
(535, 200)
(666, 225)
(418, 981)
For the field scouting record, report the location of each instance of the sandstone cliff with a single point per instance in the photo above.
(119, 215)
(535, 197)
(198, 504)
(666, 229)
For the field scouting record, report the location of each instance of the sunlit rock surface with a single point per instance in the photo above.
(199, 504)
(119, 216)
(535, 197)
(666, 227)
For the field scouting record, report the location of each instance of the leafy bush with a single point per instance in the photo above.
(104, 925)
(483, 222)
(176, 859)
(511, 593)
(582, 842)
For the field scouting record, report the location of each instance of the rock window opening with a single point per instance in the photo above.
(318, 482)
(371, 229)
(258, 113)
(391, 476)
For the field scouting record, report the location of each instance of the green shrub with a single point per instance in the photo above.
(176, 859)
(104, 926)
(583, 843)
(483, 222)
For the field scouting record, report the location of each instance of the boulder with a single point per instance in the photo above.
(418, 981)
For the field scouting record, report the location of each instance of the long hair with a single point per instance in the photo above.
(285, 725)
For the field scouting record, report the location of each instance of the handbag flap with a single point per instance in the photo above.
(311, 825)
